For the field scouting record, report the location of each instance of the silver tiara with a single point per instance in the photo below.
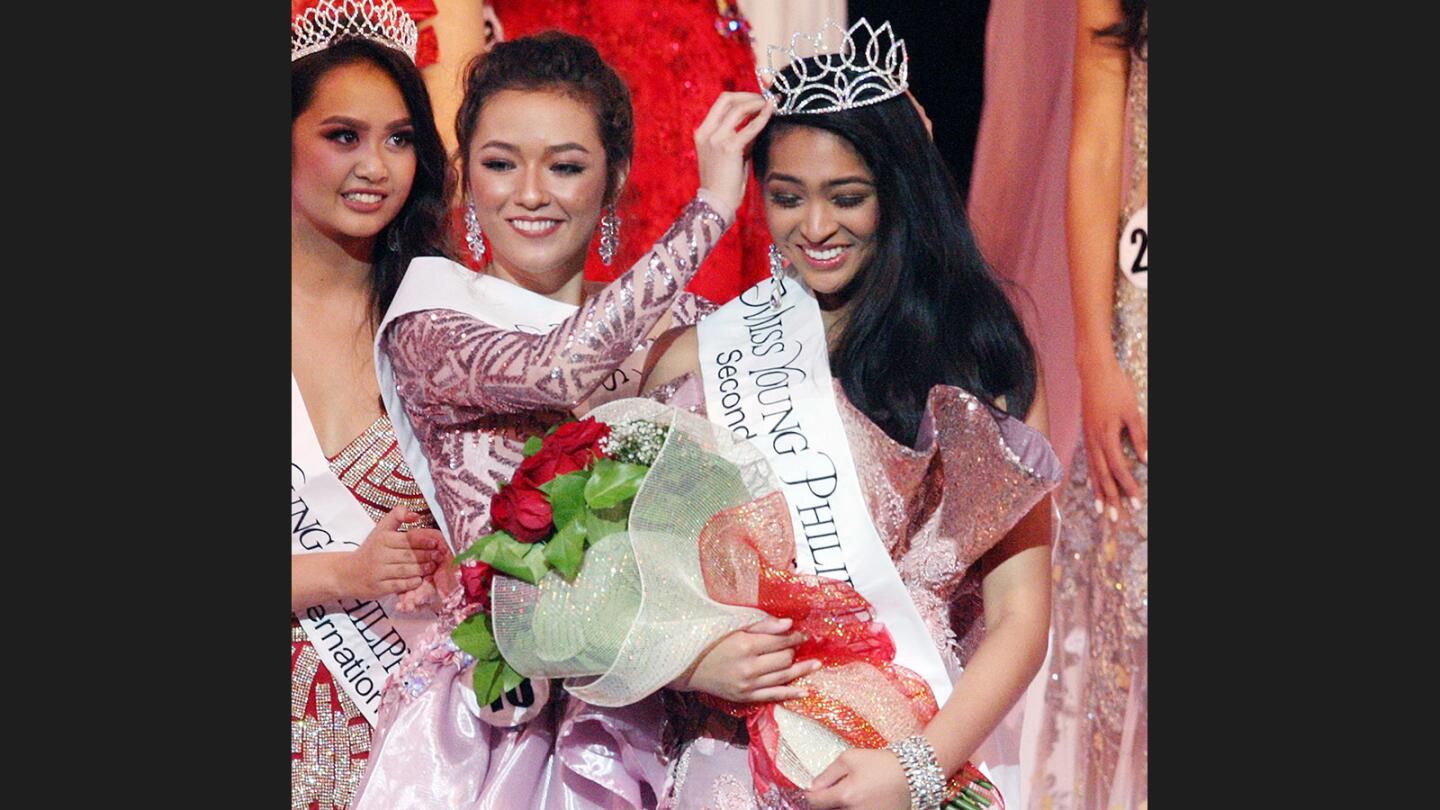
(881, 69)
(378, 20)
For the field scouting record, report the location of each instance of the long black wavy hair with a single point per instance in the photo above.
(419, 228)
(925, 309)
(1133, 31)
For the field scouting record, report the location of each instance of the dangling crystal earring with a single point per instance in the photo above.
(392, 239)
(473, 237)
(777, 276)
(609, 235)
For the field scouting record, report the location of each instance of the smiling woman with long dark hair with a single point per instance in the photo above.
(367, 180)
(926, 309)
(413, 225)
(885, 376)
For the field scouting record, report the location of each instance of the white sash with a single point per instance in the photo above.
(360, 643)
(436, 283)
(767, 379)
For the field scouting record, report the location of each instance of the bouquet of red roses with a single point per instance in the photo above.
(573, 489)
(665, 532)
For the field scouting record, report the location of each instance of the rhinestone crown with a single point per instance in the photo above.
(378, 20)
(832, 80)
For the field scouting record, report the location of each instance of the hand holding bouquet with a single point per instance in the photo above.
(631, 542)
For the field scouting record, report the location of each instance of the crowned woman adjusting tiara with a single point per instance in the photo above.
(382, 21)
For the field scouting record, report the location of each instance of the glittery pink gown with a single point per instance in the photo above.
(938, 507)
(472, 392)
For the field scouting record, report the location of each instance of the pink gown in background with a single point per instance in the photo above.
(1093, 736)
(473, 392)
(1017, 187)
(938, 508)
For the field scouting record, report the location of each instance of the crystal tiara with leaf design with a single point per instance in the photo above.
(378, 20)
(870, 66)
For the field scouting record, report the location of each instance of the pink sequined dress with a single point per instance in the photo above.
(938, 507)
(473, 392)
(1093, 738)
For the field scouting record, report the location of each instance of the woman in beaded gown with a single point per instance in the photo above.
(366, 158)
(1093, 734)
(942, 422)
(475, 364)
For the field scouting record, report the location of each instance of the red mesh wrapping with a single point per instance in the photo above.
(739, 552)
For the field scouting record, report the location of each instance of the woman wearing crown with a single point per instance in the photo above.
(367, 180)
(472, 364)
(883, 374)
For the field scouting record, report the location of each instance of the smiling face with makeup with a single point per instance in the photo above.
(353, 157)
(820, 205)
(538, 179)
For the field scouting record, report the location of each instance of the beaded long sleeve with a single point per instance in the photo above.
(452, 368)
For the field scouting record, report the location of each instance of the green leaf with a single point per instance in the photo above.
(613, 482)
(535, 564)
(510, 556)
(509, 678)
(477, 549)
(601, 523)
(567, 495)
(473, 636)
(487, 681)
(566, 549)
(532, 446)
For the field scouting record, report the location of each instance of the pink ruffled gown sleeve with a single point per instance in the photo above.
(473, 392)
(938, 508)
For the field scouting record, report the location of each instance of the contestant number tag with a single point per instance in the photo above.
(1135, 248)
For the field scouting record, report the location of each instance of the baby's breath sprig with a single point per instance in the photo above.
(637, 441)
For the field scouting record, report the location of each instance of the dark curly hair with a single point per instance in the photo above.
(418, 229)
(565, 63)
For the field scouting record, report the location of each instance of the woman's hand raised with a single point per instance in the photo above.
(723, 146)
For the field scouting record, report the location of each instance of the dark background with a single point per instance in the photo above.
(946, 43)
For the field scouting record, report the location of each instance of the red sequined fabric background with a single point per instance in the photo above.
(676, 61)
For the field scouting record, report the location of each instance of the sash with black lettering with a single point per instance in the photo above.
(767, 380)
(360, 640)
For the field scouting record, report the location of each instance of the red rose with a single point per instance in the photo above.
(522, 511)
(476, 576)
(579, 440)
(546, 465)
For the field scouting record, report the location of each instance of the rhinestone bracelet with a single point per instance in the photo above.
(922, 772)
